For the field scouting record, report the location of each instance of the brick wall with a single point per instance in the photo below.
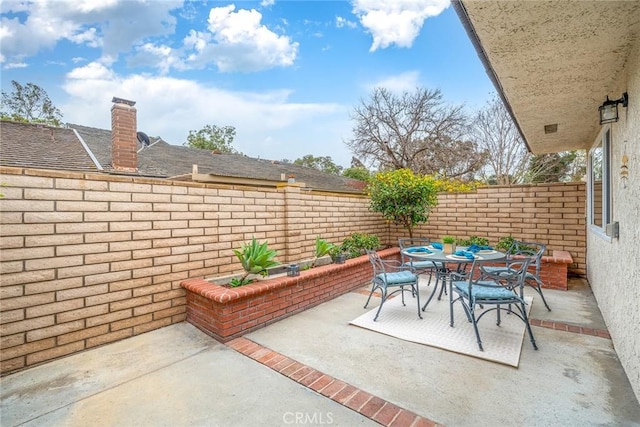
(91, 259)
(553, 214)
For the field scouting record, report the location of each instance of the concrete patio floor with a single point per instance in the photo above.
(316, 369)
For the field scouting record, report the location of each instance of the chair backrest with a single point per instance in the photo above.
(534, 250)
(408, 242)
(376, 262)
(512, 276)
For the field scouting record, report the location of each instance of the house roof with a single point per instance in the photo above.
(43, 147)
(82, 148)
(553, 62)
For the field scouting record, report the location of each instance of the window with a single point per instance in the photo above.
(600, 183)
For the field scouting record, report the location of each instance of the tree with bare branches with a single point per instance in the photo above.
(510, 162)
(495, 131)
(414, 130)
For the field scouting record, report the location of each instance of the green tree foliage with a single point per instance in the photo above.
(322, 163)
(403, 197)
(29, 103)
(213, 138)
(414, 130)
(360, 173)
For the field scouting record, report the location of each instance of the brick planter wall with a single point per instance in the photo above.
(226, 313)
(554, 270)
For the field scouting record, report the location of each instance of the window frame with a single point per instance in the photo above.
(603, 141)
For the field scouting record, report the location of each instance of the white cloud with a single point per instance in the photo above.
(15, 65)
(344, 22)
(395, 22)
(113, 25)
(267, 3)
(237, 41)
(268, 124)
(407, 81)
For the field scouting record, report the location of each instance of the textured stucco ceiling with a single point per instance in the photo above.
(555, 61)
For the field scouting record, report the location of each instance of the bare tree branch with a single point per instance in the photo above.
(415, 131)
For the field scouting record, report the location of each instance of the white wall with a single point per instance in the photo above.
(613, 267)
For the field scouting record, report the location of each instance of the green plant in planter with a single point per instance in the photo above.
(322, 248)
(255, 258)
(356, 244)
(337, 254)
(474, 240)
(448, 239)
(506, 242)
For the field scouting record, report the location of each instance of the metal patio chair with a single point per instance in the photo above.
(535, 251)
(502, 288)
(391, 277)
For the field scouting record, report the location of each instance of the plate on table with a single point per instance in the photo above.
(419, 253)
(462, 257)
(487, 251)
(431, 248)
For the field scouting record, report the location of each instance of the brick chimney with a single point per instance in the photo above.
(124, 143)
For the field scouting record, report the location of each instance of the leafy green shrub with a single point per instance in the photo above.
(255, 258)
(403, 197)
(322, 248)
(357, 243)
(474, 240)
(505, 242)
(448, 239)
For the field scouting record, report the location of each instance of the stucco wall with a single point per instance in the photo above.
(614, 266)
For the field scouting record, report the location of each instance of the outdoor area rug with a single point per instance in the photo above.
(501, 344)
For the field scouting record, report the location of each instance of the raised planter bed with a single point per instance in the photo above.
(554, 269)
(226, 313)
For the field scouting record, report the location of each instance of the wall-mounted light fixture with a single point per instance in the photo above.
(609, 109)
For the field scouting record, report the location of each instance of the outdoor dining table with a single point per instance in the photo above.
(441, 260)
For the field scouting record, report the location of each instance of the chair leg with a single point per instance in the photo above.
(416, 290)
(525, 318)
(475, 328)
(382, 300)
(373, 288)
(538, 288)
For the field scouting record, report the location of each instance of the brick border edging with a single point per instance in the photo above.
(366, 404)
(566, 327)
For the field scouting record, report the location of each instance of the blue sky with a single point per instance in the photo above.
(285, 74)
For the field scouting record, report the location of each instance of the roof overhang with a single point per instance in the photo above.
(553, 62)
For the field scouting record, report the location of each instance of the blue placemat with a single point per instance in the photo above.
(419, 250)
(466, 254)
(476, 248)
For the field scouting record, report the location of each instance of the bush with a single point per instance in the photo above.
(356, 244)
(474, 240)
(403, 197)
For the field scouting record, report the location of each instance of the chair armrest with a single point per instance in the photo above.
(394, 265)
(458, 275)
